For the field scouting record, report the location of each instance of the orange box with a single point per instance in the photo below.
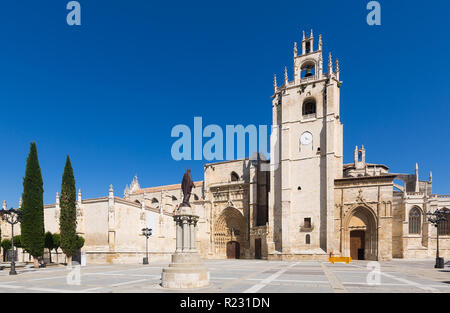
(345, 259)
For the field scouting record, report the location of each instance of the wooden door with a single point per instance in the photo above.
(233, 250)
(357, 238)
(258, 248)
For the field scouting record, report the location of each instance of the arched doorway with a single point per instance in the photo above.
(360, 234)
(230, 232)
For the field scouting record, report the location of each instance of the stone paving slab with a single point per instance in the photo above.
(240, 276)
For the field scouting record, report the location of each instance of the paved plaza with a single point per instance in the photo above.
(241, 276)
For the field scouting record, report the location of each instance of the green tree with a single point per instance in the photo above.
(56, 244)
(32, 225)
(68, 216)
(49, 244)
(6, 245)
(80, 242)
(18, 241)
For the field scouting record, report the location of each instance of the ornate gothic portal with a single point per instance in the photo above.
(360, 234)
(230, 234)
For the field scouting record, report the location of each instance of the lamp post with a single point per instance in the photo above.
(12, 217)
(436, 218)
(147, 232)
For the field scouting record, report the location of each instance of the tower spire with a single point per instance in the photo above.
(295, 49)
(320, 42)
(111, 191)
(417, 178)
(275, 87)
(330, 65)
(337, 69)
(285, 76)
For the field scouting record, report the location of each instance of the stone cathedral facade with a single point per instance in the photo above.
(307, 205)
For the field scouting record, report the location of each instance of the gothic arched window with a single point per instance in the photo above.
(308, 47)
(414, 221)
(444, 226)
(234, 176)
(309, 107)
(308, 239)
(154, 200)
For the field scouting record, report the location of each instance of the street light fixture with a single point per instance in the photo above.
(147, 232)
(436, 218)
(12, 217)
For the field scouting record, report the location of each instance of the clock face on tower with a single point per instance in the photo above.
(306, 138)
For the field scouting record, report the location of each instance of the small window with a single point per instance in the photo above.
(174, 198)
(154, 200)
(308, 239)
(195, 197)
(414, 221)
(307, 222)
(309, 108)
(137, 201)
(308, 47)
(234, 176)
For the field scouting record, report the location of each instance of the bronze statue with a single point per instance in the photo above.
(186, 185)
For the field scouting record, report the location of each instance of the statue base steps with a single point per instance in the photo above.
(185, 272)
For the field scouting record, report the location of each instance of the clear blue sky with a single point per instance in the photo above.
(109, 92)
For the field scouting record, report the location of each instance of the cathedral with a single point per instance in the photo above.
(308, 205)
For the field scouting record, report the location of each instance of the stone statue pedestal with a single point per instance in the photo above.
(186, 269)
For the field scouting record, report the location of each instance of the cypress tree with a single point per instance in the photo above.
(68, 216)
(32, 224)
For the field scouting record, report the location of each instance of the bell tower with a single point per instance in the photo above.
(307, 155)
